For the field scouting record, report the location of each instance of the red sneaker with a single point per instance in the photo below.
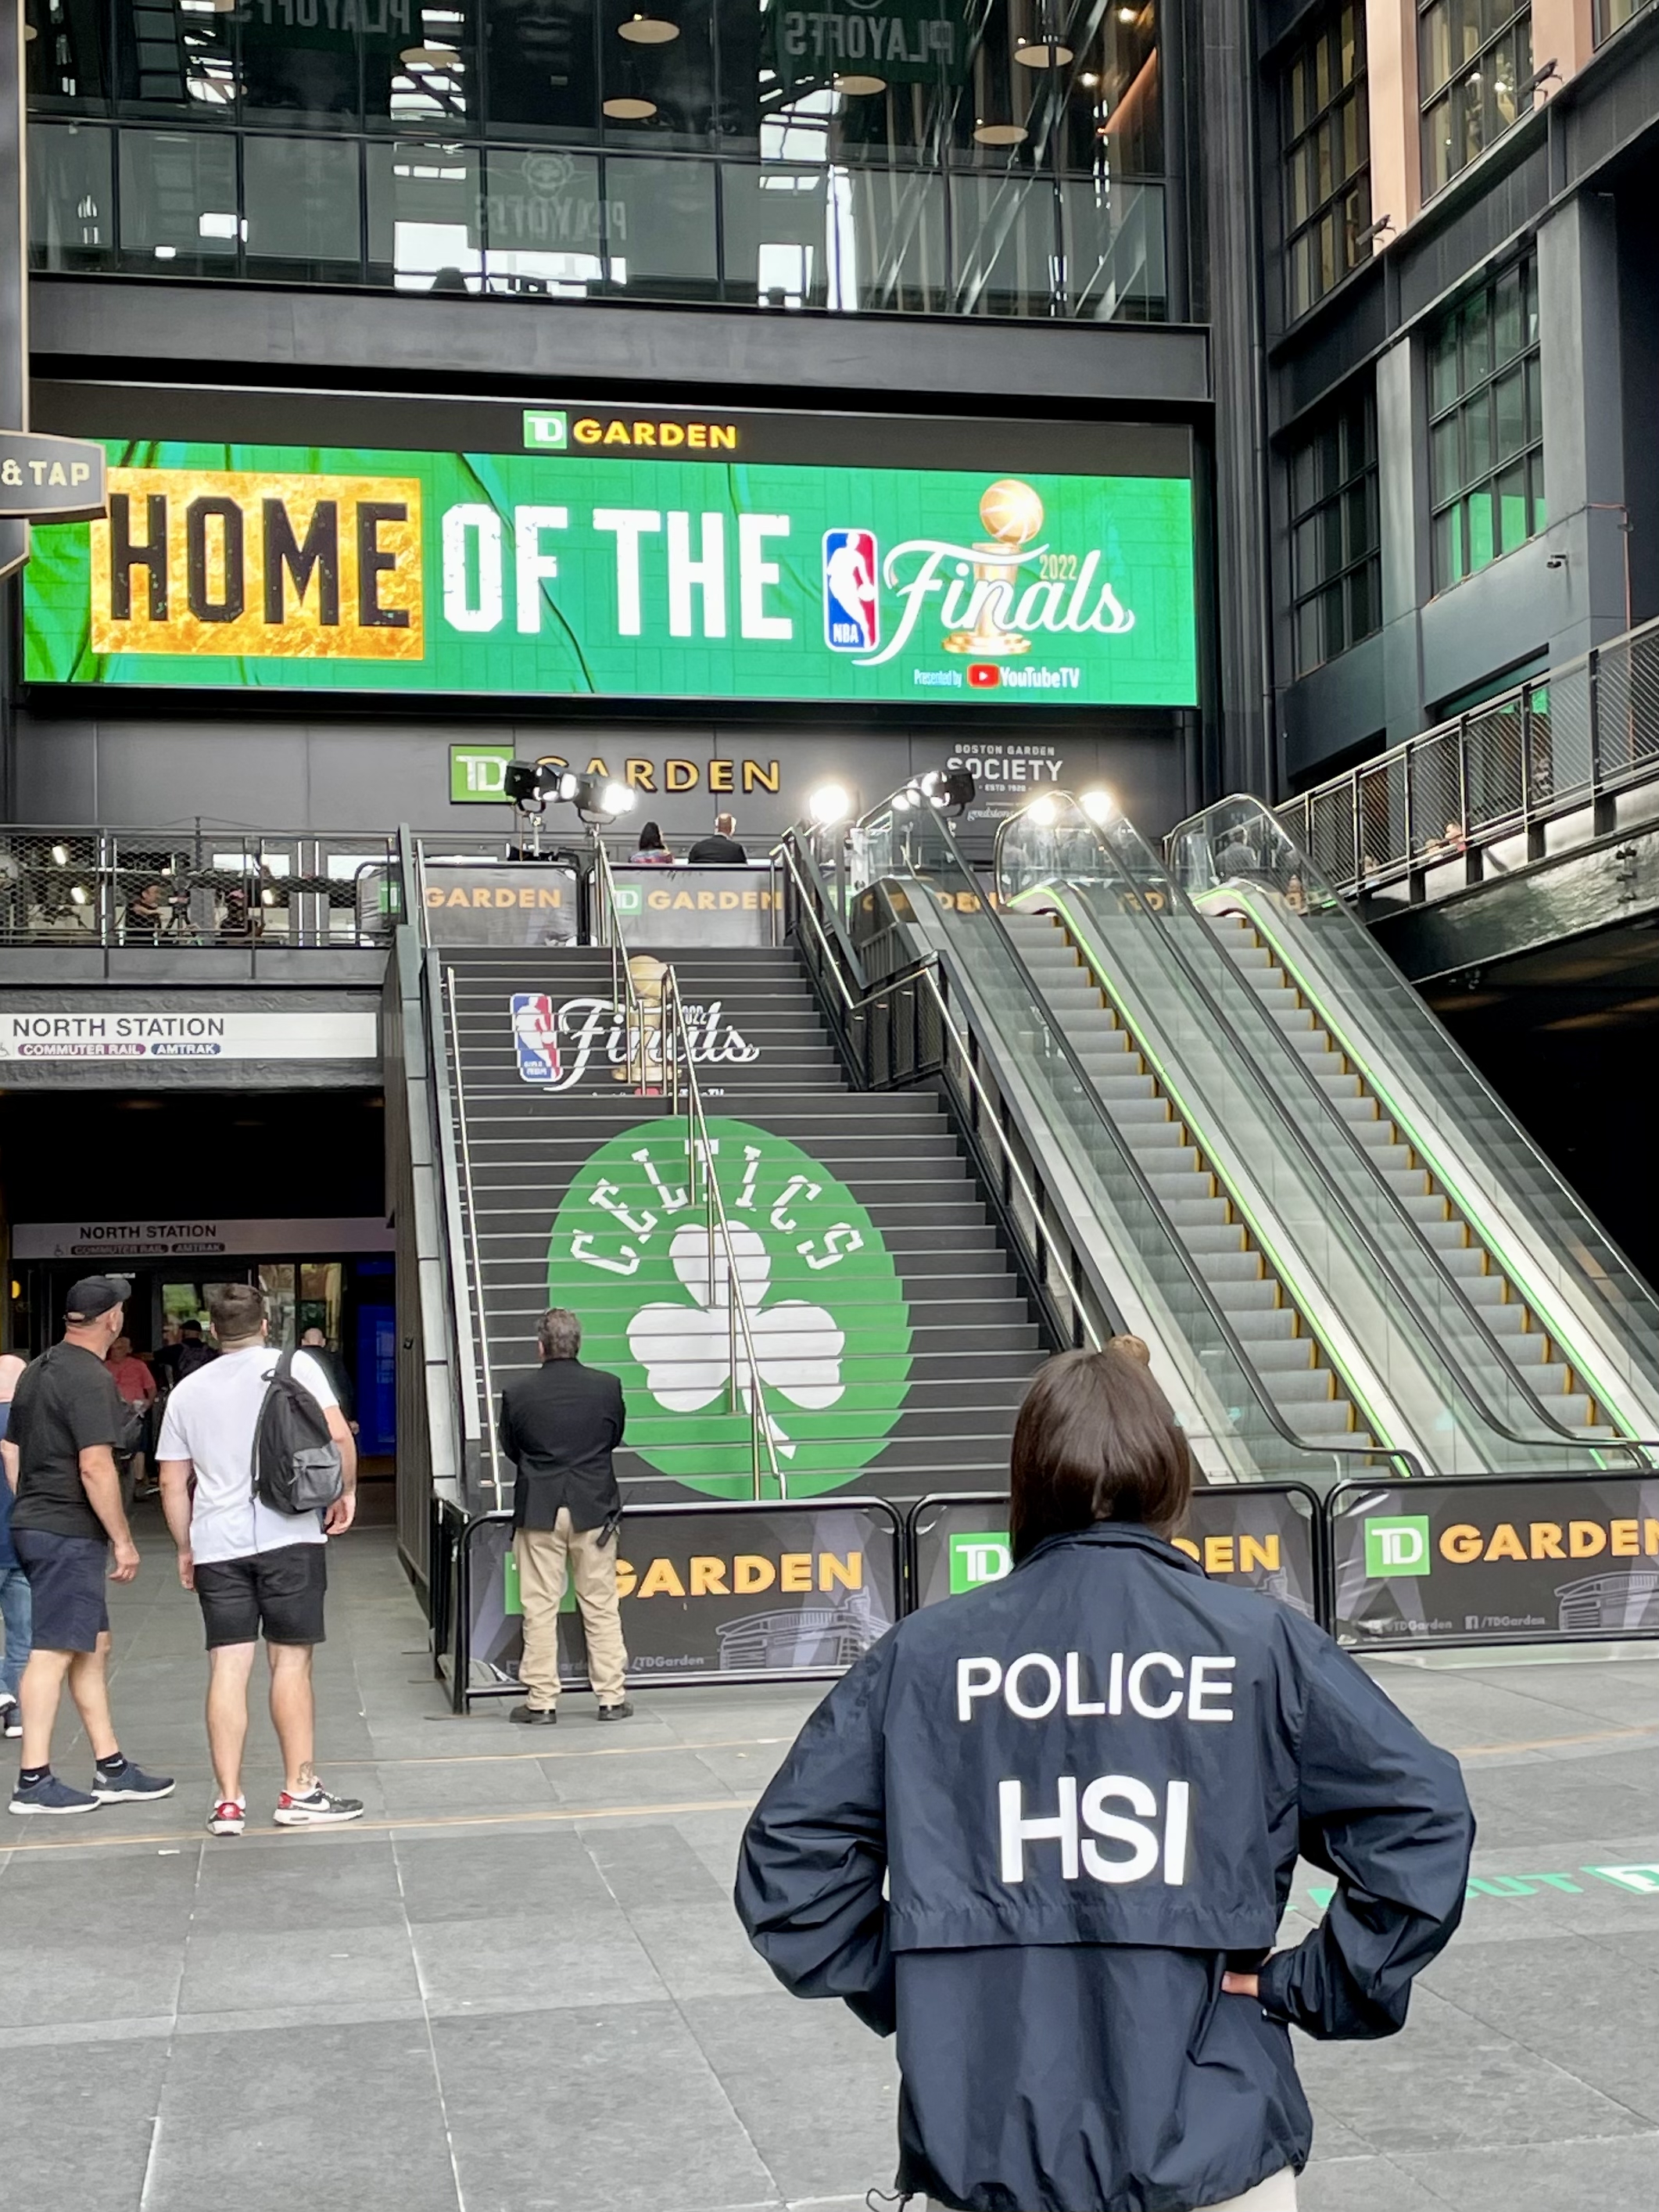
(228, 1818)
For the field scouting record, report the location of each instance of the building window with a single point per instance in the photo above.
(1475, 66)
(1336, 580)
(1487, 458)
(1612, 15)
(1325, 136)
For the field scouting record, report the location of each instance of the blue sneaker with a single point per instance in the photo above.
(110, 1785)
(49, 1795)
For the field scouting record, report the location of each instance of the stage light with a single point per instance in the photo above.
(830, 804)
(903, 800)
(945, 786)
(60, 853)
(523, 783)
(1098, 805)
(1043, 811)
(618, 798)
(79, 894)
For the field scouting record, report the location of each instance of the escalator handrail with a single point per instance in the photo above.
(1557, 1436)
(1376, 1449)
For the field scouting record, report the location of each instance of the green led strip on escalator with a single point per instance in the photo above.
(1287, 1271)
(1474, 1209)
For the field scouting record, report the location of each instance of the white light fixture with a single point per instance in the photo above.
(1127, 15)
(1041, 53)
(1042, 811)
(627, 110)
(1089, 78)
(429, 57)
(1000, 134)
(859, 86)
(79, 894)
(830, 804)
(60, 855)
(1098, 805)
(648, 31)
(619, 798)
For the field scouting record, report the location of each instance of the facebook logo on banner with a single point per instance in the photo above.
(536, 1034)
(851, 621)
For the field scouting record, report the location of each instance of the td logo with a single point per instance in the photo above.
(1397, 1547)
(976, 1560)
(546, 429)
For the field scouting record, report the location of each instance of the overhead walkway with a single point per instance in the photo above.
(1389, 1269)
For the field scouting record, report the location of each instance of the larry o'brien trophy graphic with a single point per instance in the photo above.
(1013, 514)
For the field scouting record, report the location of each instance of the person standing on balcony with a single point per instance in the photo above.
(722, 850)
(560, 1427)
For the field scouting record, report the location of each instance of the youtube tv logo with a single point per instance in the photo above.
(984, 675)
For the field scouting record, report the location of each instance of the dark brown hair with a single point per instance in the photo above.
(1095, 1441)
(236, 1310)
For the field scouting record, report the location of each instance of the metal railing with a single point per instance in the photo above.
(1565, 743)
(174, 888)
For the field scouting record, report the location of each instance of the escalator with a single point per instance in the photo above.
(1362, 1315)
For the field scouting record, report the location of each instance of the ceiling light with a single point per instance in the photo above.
(1000, 134)
(1098, 805)
(859, 86)
(830, 804)
(648, 31)
(1089, 78)
(1127, 15)
(79, 894)
(429, 57)
(60, 853)
(1043, 812)
(626, 110)
(1040, 54)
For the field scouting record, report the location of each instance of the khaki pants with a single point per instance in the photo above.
(545, 1556)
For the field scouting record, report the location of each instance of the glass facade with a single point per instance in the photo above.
(990, 157)
(1324, 132)
(1474, 72)
(1336, 560)
(1612, 15)
(1487, 439)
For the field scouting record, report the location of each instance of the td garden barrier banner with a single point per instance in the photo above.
(1264, 1536)
(710, 1593)
(1521, 1559)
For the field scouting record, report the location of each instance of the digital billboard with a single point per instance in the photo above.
(571, 568)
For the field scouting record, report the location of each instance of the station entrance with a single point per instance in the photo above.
(180, 1191)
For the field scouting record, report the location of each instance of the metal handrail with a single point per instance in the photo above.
(677, 1051)
(625, 992)
(477, 1254)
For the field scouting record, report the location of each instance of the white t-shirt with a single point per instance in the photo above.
(210, 1420)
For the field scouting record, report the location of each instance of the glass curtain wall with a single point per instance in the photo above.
(934, 156)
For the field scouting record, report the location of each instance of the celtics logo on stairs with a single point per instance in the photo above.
(631, 1252)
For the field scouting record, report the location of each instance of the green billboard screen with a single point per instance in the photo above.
(561, 570)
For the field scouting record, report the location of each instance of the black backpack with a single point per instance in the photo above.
(296, 1463)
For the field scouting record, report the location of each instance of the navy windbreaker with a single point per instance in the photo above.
(1031, 1827)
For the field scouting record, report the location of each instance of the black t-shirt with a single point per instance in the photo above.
(65, 1401)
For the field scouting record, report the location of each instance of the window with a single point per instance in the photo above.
(1486, 435)
(1474, 67)
(1335, 580)
(1324, 133)
(1612, 15)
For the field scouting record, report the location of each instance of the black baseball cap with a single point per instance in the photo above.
(96, 1294)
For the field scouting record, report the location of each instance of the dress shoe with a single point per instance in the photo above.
(535, 1715)
(622, 1710)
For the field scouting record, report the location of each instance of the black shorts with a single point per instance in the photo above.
(277, 1593)
(69, 1590)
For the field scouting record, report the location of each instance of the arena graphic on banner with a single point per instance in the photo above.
(1262, 1536)
(824, 1305)
(1490, 1561)
(487, 902)
(709, 1593)
(559, 1044)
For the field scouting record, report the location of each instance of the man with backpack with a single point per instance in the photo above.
(275, 1473)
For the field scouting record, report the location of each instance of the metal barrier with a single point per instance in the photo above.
(1565, 743)
(172, 889)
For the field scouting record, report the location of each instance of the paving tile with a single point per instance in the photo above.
(1363, 2185)
(699, 1950)
(352, 2111)
(1600, 2177)
(532, 1962)
(483, 1873)
(86, 2114)
(612, 2106)
(817, 2092)
(247, 1970)
(260, 1882)
(72, 1979)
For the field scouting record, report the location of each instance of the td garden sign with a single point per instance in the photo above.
(566, 570)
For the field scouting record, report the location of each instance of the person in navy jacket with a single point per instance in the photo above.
(1046, 1832)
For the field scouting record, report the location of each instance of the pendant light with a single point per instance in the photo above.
(643, 30)
(1041, 53)
(426, 58)
(859, 86)
(1000, 134)
(625, 109)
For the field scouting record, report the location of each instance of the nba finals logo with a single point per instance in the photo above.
(536, 1034)
(852, 618)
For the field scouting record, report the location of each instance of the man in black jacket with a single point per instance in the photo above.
(559, 1427)
(722, 850)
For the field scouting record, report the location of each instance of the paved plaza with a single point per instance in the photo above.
(517, 1983)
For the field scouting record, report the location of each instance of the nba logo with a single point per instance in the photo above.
(536, 1034)
(851, 621)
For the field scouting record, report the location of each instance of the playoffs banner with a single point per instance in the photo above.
(708, 1593)
(1263, 1535)
(1495, 1561)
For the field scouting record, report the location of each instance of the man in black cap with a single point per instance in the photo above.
(68, 1421)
